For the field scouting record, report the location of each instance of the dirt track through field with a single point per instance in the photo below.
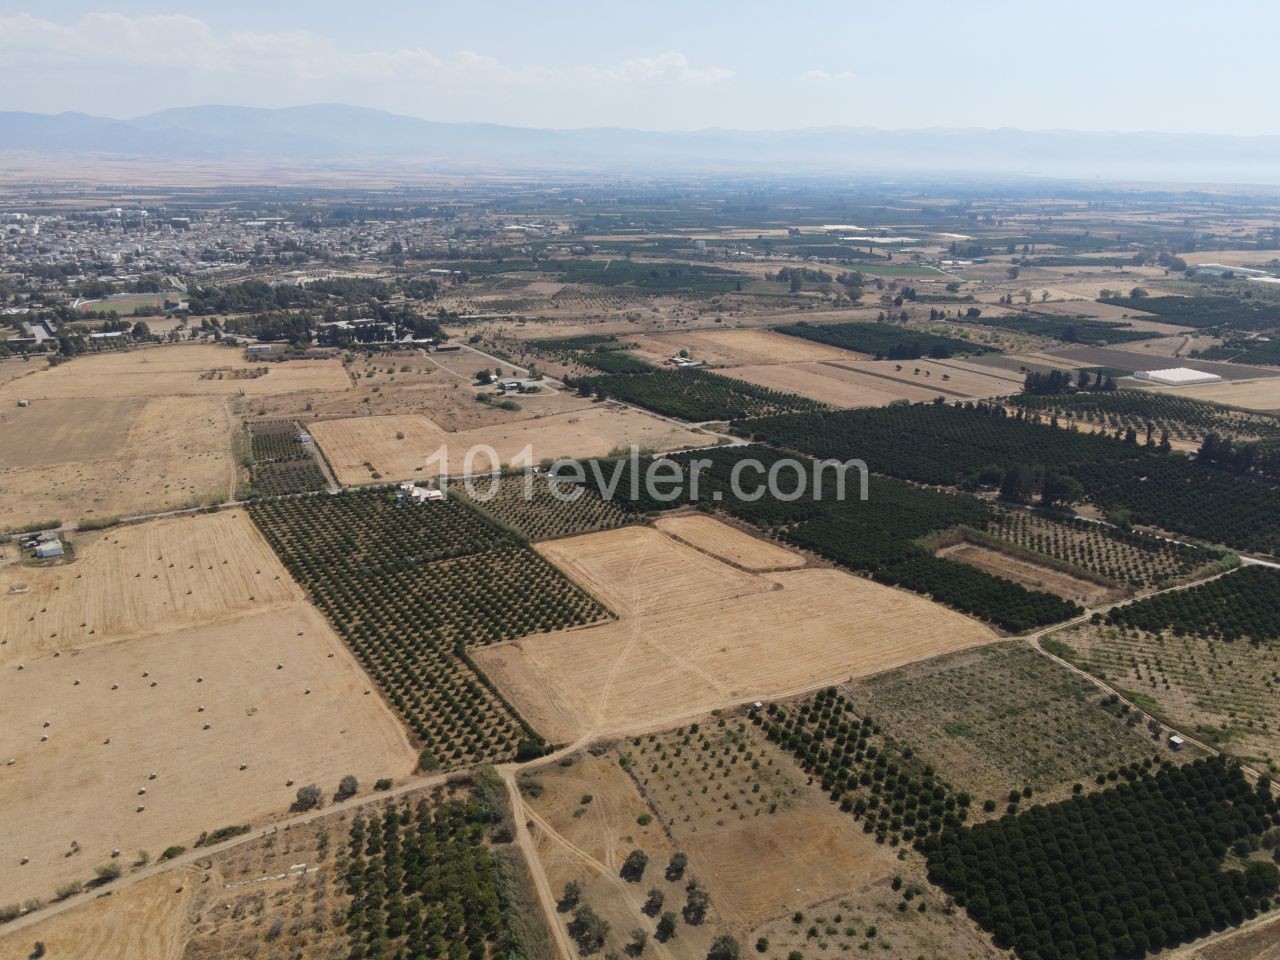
(694, 632)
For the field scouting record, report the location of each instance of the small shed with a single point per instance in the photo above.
(48, 549)
(1175, 742)
(24, 403)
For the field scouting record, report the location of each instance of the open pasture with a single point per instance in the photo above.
(370, 449)
(58, 432)
(695, 633)
(224, 714)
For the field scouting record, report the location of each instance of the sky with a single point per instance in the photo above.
(1168, 66)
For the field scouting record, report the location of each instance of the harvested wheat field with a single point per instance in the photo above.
(175, 452)
(180, 370)
(739, 347)
(728, 543)
(370, 449)
(224, 715)
(146, 921)
(131, 432)
(141, 579)
(1262, 395)
(1033, 576)
(694, 633)
(872, 383)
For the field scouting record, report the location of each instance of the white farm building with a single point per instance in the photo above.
(1177, 376)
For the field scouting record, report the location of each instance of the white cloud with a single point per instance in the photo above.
(826, 76)
(669, 67)
(115, 41)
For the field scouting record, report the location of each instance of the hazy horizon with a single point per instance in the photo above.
(666, 66)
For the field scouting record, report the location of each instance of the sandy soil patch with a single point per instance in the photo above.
(397, 447)
(308, 719)
(1261, 395)
(177, 453)
(1033, 576)
(730, 544)
(146, 921)
(692, 637)
(141, 579)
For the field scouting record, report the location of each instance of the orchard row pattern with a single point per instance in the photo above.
(1182, 417)
(282, 464)
(424, 883)
(884, 341)
(1243, 605)
(408, 588)
(526, 503)
(882, 785)
(1120, 873)
(1130, 557)
(696, 395)
(953, 445)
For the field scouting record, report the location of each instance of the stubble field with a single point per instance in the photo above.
(695, 633)
(373, 449)
(225, 693)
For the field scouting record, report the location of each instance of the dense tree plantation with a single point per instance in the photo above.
(1241, 350)
(425, 883)
(1068, 329)
(877, 536)
(962, 445)
(695, 395)
(884, 341)
(1205, 312)
(1183, 417)
(1243, 605)
(881, 783)
(544, 515)
(1120, 873)
(1129, 557)
(281, 464)
(408, 588)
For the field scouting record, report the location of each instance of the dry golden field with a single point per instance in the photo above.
(1031, 575)
(740, 347)
(397, 447)
(869, 383)
(147, 921)
(1262, 394)
(140, 579)
(179, 370)
(695, 633)
(136, 431)
(182, 648)
(230, 762)
(728, 543)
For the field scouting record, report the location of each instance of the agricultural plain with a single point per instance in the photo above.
(694, 632)
(125, 433)
(370, 449)
(179, 648)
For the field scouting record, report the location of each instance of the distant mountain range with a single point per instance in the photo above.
(334, 133)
